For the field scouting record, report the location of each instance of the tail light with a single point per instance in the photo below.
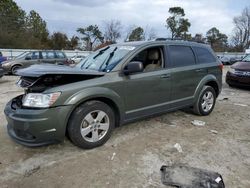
(221, 67)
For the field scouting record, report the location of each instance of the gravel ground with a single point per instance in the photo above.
(135, 152)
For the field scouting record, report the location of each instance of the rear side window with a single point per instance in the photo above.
(60, 55)
(181, 56)
(204, 55)
(48, 55)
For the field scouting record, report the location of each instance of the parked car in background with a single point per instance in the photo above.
(77, 58)
(235, 59)
(1, 71)
(224, 60)
(115, 85)
(239, 73)
(35, 57)
(2, 58)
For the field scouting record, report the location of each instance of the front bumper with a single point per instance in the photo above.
(237, 80)
(36, 127)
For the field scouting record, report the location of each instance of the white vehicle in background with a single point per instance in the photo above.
(77, 58)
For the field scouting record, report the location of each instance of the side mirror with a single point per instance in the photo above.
(27, 58)
(133, 67)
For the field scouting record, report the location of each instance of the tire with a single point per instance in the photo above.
(88, 131)
(206, 101)
(15, 68)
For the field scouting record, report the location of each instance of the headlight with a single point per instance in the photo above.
(232, 70)
(40, 100)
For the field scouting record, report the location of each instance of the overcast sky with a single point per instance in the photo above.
(67, 15)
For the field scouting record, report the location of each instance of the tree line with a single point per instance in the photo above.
(28, 30)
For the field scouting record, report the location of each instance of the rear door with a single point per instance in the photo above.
(48, 57)
(60, 58)
(185, 75)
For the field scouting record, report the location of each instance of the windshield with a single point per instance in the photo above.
(247, 58)
(105, 59)
(22, 55)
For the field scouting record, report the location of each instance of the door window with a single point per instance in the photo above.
(48, 55)
(151, 58)
(181, 55)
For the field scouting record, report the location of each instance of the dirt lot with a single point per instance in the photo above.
(135, 152)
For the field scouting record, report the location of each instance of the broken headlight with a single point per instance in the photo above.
(39, 100)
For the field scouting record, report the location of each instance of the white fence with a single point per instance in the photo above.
(10, 53)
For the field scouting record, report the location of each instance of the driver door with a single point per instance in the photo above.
(147, 92)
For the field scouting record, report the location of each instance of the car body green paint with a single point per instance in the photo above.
(135, 96)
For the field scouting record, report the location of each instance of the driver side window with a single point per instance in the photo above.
(151, 58)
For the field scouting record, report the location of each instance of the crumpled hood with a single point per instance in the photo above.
(50, 69)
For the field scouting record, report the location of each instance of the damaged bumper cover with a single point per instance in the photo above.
(36, 127)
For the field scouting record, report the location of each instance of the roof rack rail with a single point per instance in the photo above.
(179, 39)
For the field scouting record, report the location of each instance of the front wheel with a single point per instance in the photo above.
(91, 124)
(205, 102)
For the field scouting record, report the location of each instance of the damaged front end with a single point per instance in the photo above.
(32, 118)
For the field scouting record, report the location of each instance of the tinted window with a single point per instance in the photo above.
(204, 55)
(32, 55)
(181, 56)
(48, 55)
(60, 55)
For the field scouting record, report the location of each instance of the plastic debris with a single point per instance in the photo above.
(238, 104)
(113, 156)
(214, 131)
(178, 147)
(189, 177)
(198, 123)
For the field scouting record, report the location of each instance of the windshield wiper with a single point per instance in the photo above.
(101, 52)
(109, 58)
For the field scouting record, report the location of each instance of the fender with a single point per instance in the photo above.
(206, 79)
(96, 92)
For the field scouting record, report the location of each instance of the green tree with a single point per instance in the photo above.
(37, 28)
(91, 35)
(73, 42)
(137, 34)
(12, 21)
(176, 23)
(58, 41)
(217, 40)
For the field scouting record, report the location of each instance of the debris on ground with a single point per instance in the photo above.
(189, 177)
(214, 131)
(238, 104)
(178, 147)
(224, 99)
(113, 156)
(198, 123)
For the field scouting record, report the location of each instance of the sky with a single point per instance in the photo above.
(68, 15)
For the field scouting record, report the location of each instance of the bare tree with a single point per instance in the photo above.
(112, 30)
(241, 36)
(149, 33)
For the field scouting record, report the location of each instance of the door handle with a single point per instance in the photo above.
(200, 70)
(165, 76)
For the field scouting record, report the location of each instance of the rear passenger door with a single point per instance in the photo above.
(60, 58)
(48, 57)
(185, 75)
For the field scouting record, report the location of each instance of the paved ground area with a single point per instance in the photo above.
(135, 152)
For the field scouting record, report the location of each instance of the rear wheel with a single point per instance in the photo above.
(91, 124)
(15, 68)
(206, 101)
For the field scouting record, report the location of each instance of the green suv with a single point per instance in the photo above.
(115, 85)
